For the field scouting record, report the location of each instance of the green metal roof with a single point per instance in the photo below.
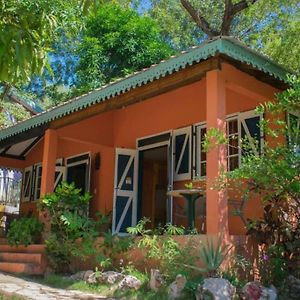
(224, 45)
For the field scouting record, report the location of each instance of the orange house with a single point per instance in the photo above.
(131, 141)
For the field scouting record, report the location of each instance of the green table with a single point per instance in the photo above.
(191, 196)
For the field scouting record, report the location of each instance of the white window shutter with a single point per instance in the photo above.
(27, 184)
(182, 151)
(251, 131)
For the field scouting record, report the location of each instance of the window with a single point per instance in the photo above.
(251, 132)
(243, 126)
(78, 171)
(233, 143)
(200, 154)
(38, 180)
(26, 184)
(32, 180)
(182, 146)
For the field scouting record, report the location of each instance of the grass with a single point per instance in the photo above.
(57, 281)
(11, 297)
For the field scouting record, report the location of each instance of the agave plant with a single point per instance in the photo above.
(212, 256)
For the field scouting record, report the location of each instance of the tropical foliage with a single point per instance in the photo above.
(25, 231)
(274, 178)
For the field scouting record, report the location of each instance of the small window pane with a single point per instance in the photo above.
(233, 163)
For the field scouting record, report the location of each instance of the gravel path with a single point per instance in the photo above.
(31, 290)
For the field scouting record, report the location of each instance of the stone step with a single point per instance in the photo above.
(21, 268)
(3, 241)
(36, 258)
(23, 249)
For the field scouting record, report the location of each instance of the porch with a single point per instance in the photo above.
(129, 155)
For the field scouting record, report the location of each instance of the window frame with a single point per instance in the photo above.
(30, 170)
(86, 161)
(239, 116)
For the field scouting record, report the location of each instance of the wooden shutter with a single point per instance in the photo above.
(182, 151)
(125, 191)
(27, 184)
(251, 132)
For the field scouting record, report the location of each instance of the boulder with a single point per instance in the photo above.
(110, 277)
(93, 278)
(156, 280)
(269, 293)
(252, 291)
(202, 294)
(291, 288)
(82, 275)
(176, 287)
(130, 282)
(215, 289)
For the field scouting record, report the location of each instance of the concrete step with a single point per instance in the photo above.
(21, 268)
(3, 241)
(35, 258)
(23, 249)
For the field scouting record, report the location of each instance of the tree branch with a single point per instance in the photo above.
(242, 5)
(230, 12)
(199, 20)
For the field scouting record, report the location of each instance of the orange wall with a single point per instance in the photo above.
(120, 128)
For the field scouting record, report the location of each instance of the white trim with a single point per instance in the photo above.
(28, 169)
(35, 180)
(80, 162)
(154, 145)
(132, 195)
(187, 131)
(61, 176)
(248, 115)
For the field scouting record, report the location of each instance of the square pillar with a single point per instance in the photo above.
(48, 171)
(216, 201)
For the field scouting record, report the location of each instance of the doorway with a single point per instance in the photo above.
(153, 186)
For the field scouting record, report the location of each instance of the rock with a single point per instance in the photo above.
(156, 280)
(82, 275)
(110, 277)
(176, 287)
(93, 278)
(269, 293)
(130, 282)
(252, 291)
(202, 294)
(215, 289)
(291, 288)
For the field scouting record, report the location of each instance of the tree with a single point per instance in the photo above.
(273, 177)
(270, 26)
(230, 11)
(118, 42)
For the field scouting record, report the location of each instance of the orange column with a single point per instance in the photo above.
(49, 163)
(216, 201)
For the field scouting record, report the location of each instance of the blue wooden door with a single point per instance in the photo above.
(125, 190)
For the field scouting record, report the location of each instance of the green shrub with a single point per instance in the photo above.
(110, 248)
(72, 232)
(212, 256)
(163, 250)
(25, 231)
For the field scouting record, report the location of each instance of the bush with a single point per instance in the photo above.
(168, 256)
(72, 232)
(25, 231)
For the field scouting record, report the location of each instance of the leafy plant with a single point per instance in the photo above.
(110, 250)
(25, 231)
(273, 266)
(73, 233)
(162, 249)
(212, 255)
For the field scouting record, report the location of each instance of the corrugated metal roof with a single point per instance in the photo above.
(224, 45)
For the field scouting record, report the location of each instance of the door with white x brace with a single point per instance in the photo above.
(125, 190)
